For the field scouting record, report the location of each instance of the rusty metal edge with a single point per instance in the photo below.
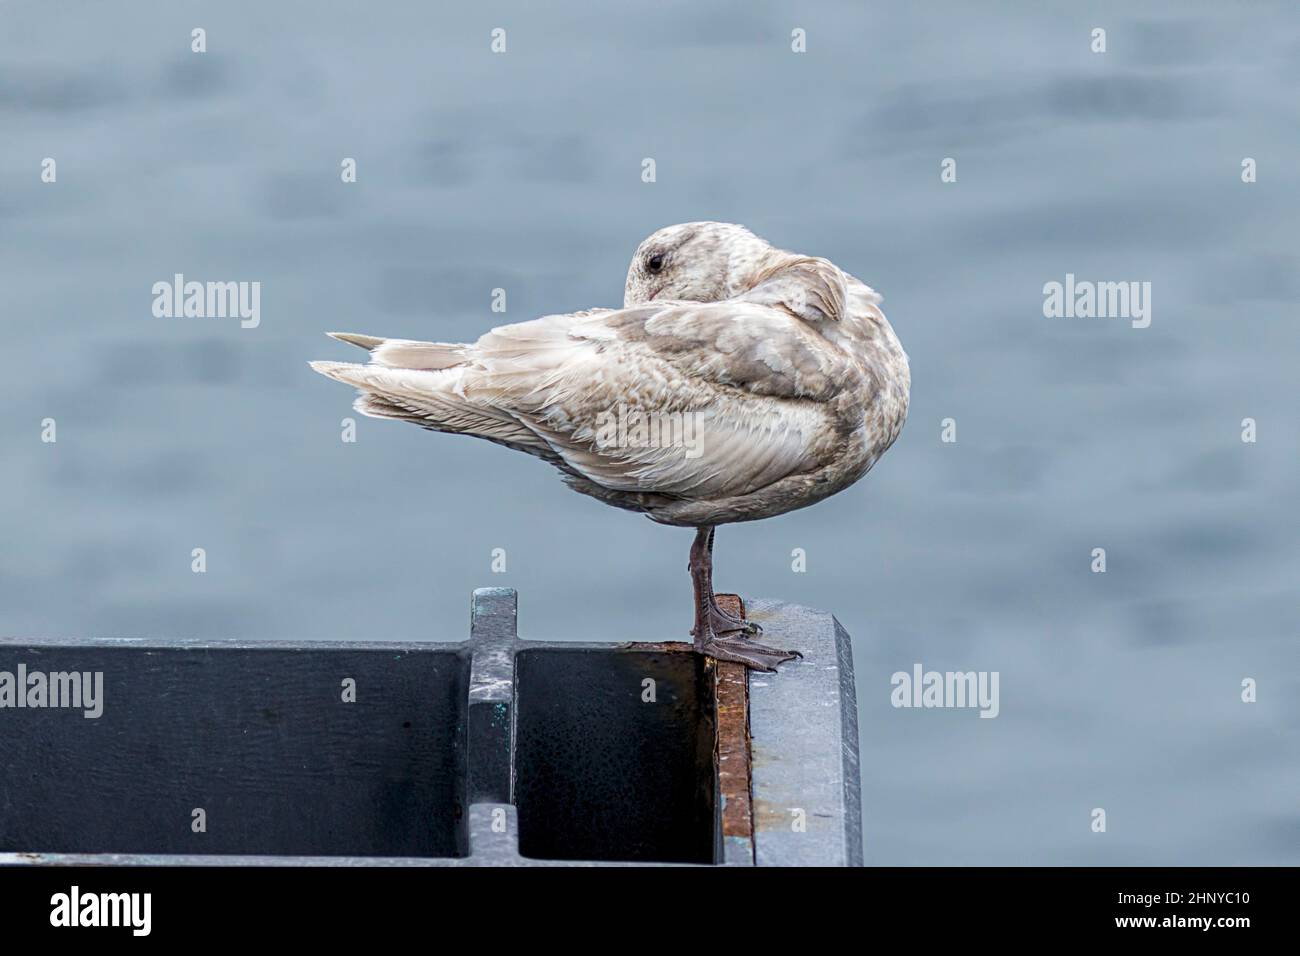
(732, 757)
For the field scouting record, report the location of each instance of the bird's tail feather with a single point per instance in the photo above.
(369, 342)
(406, 353)
(388, 393)
(431, 398)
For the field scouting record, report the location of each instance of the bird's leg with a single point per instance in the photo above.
(724, 621)
(700, 567)
(729, 643)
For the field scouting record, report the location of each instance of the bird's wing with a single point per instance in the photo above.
(681, 398)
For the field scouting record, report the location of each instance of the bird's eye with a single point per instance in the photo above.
(655, 263)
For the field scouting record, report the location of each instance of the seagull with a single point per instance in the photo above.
(739, 381)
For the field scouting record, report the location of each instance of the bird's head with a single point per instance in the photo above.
(695, 262)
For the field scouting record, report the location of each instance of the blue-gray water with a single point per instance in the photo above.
(1118, 690)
